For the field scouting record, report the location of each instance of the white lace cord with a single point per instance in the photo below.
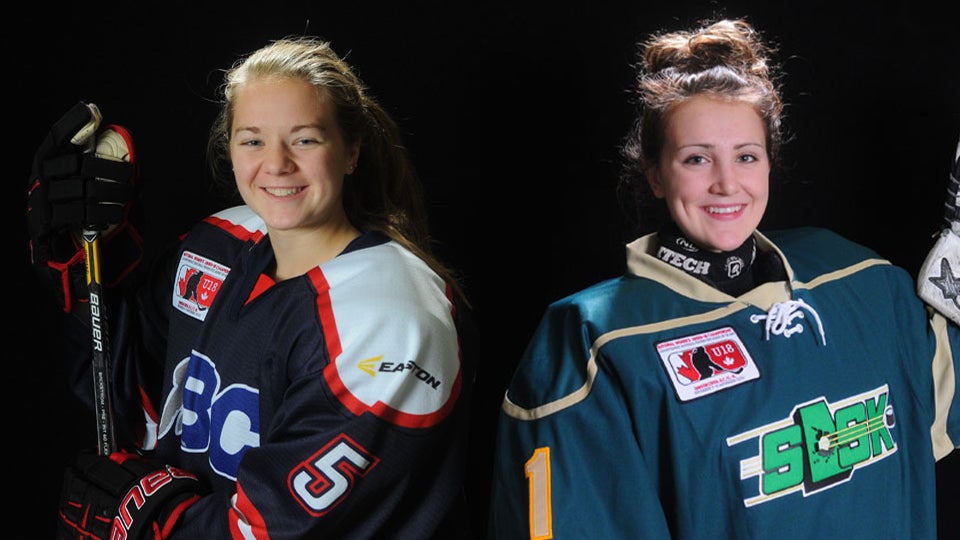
(780, 319)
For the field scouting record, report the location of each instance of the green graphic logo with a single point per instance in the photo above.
(819, 445)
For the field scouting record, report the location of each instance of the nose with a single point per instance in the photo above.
(277, 160)
(724, 179)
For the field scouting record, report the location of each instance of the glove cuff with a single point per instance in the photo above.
(67, 277)
(124, 496)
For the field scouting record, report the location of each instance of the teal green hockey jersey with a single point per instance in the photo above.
(655, 406)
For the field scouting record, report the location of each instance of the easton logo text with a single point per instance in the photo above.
(370, 367)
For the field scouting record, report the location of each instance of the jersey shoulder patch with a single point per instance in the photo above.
(197, 282)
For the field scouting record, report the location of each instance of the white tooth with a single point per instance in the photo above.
(282, 192)
(725, 210)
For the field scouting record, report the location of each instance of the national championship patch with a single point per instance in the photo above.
(197, 283)
(702, 364)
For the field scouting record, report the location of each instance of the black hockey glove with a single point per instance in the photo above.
(938, 283)
(123, 496)
(83, 177)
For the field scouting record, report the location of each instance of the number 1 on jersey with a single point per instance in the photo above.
(537, 471)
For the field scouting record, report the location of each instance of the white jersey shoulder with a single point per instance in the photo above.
(399, 352)
(242, 216)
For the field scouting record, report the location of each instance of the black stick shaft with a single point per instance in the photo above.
(103, 410)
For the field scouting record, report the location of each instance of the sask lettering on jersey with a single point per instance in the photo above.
(819, 445)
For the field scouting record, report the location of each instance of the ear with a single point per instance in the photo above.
(656, 185)
(353, 153)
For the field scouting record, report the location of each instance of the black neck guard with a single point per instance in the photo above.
(729, 271)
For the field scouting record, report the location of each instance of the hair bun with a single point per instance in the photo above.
(729, 43)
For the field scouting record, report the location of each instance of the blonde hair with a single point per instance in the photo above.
(384, 192)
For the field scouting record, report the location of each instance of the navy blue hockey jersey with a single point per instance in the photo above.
(330, 405)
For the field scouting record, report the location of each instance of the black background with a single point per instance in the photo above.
(513, 112)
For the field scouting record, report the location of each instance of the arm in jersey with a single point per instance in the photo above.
(568, 463)
(137, 331)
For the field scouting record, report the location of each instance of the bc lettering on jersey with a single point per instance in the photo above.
(224, 423)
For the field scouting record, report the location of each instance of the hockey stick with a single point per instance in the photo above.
(103, 410)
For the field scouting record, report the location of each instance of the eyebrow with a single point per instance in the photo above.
(708, 145)
(301, 127)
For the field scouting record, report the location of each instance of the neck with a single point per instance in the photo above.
(298, 250)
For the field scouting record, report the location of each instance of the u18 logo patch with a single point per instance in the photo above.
(702, 364)
(198, 281)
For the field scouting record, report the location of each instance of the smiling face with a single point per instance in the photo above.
(289, 157)
(714, 171)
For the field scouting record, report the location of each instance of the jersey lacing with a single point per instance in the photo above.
(780, 319)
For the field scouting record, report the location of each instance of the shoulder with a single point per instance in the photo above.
(385, 288)
(391, 320)
(238, 222)
(373, 262)
(817, 257)
(812, 252)
(559, 365)
(214, 246)
(375, 284)
(821, 242)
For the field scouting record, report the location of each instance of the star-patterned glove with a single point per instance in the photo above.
(938, 283)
